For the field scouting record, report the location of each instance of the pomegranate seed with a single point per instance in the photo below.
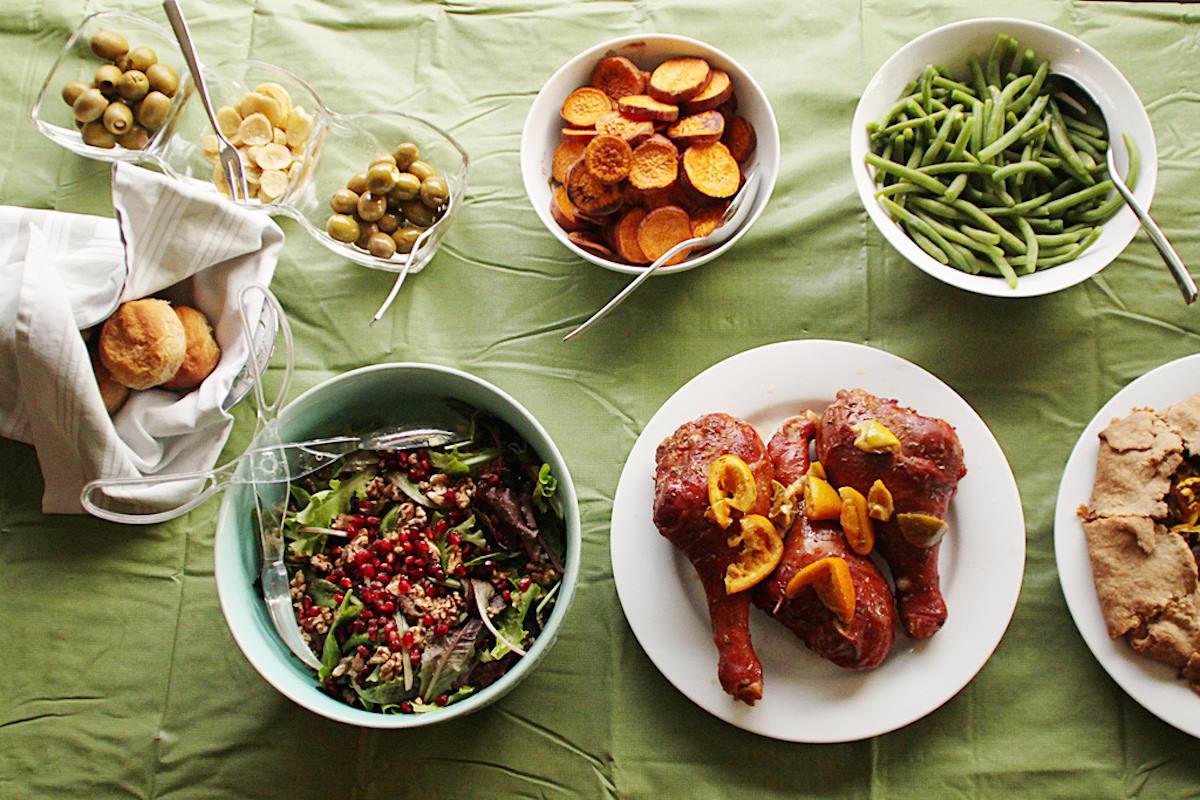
(373, 634)
(358, 625)
(507, 595)
(460, 571)
(382, 546)
(404, 536)
(450, 496)
(338, 598)
(442, 700)
(442, 629)
(314, 611)
(387, 607)
(345, 583)
(423, 546)
(427, 620)
(367, 571)
(335, 551)
(419, 562)
(366, 613)
(371, 520)
(362, 556)
(408, 547)
(363, 651)
(406, 707)
(409, 560)
(415, 657)
(454, 538)
(390, 559)
(393, 639)
(523, 584)
(391, 626)
(408, 639)
(440, 526)
(404, 587)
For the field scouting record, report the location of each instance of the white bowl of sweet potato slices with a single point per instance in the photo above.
(639, 143)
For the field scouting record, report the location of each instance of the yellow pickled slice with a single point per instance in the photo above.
(871, 436)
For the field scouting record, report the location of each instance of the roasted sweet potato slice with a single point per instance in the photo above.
(590, 244)
(608, 158)
(618, 77)
(702, 128)
(584, 106)
(662, 229)
(590, 195)
(740, 138)
(634, 131)
(643, 106)
(708, 218)
(719, 89)
(569, 150)
(625, 236)
(564, 211)
(679, 79)
(655, 164)
(584, 134)
(711, 171)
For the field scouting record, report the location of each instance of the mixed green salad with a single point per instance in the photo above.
(420, 577)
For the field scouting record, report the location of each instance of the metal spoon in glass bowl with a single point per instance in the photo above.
(1075, 93)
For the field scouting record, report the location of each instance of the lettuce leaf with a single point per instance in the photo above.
(321, 591)
(321, 510)
(547, 486)
(457, 461)
(511, 622)
(445, 659)
(409, 488)
(331, 653)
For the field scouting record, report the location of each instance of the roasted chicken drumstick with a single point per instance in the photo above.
(922, 473)
(681, 501)
(864, 641)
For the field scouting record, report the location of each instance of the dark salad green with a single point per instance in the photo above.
(421, 577)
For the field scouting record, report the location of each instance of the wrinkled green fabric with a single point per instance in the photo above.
(120, 678)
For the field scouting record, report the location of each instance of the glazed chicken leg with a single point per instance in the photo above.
(864, 642)
(680, 503)
(922, 478)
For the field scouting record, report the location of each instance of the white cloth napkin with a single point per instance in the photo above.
(63, 273)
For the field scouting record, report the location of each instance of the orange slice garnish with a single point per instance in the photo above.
(730, 487)
(761, 547)
(830, 579)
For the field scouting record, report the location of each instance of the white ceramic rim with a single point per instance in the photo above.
(227, 582)
(1124, 225)
(805, 698)
(1155, 686)
(533, 175)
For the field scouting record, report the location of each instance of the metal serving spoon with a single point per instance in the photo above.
(412, 256)
(1179, 271)
(735, 215)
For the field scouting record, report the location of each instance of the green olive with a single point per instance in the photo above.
(383, 159)
(357, 183)
(407, 187)
(405, 238)
(342, 227)
(381, 177)
(142, 59)
(163, 79)
(107, 78)
(381, 246)
(388, 223)
(418, 213)
(95, 134)
(421, 170)
(133, 85)
(365, 231)
(90, 106)
(71, 91)
(118, 118)
(152, 112)
(434, 191)
(109, 45)
(371, 207)
(343, 201)
(406, 154)
(135, 138)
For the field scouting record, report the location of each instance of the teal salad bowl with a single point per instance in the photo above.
(364, 400)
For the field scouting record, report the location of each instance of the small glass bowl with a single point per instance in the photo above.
(76, 62)
(339, 145)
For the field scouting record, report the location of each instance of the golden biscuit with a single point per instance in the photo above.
(202, 350)
(112, 393)
(143, 344)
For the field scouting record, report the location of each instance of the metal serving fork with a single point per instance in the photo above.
(412, 256)
(231, 162)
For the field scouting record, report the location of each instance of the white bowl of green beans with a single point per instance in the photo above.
(1014, 203)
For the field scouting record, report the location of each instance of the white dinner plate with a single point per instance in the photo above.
(1150, 683)
(805, 698)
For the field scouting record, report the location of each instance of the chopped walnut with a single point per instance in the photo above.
(322, 620)
(298, 586)
(320, 562)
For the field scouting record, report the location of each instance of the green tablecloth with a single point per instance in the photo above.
(119, 676)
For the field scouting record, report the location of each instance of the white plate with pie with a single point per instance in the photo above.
(1153, 685)
(805, 698)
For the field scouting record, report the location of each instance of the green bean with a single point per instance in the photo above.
(1029, 206)
(1056, 207)
(902, 215)
(1005, 268)
(1039, 130)
(987, 123)
(985, 237)
(915, 122)
(957, 166)
(1033, 90)
(956, 187)
(1072, 254)
(965, 98)
(957, 236)
(1045, 224)
(943, 134)
(1000, 145)
(1082, 127)
(1110, 206)
(1055, 239)
(937, 207)
(914, 158)
(1019, 167)
(900, 187)
(1027, 60)
(927, 244)
(1001, 103)
(1058, 136)
(977, 77)
(947, 83)
(926, 86)
(1084, 147)
(992, 71)
(964, 137)
(972, 211)
(905, 173)
(1031, 245)
(979, 117)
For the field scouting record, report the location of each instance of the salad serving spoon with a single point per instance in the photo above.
(733, 218)
(412, 256)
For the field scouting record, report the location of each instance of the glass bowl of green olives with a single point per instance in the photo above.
(114, 89)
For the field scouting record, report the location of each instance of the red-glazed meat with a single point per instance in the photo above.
(865, 642)
(680, 503)
(922, 478)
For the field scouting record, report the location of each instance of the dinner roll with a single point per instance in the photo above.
(112, 393)
(202, 350)
(143, 344)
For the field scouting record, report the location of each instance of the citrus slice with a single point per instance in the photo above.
(761, 548)
(730, 487)
(830, 579)
(879, 502)
(922, 530)
(871, 436)
(856, 524)
(821, 500)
